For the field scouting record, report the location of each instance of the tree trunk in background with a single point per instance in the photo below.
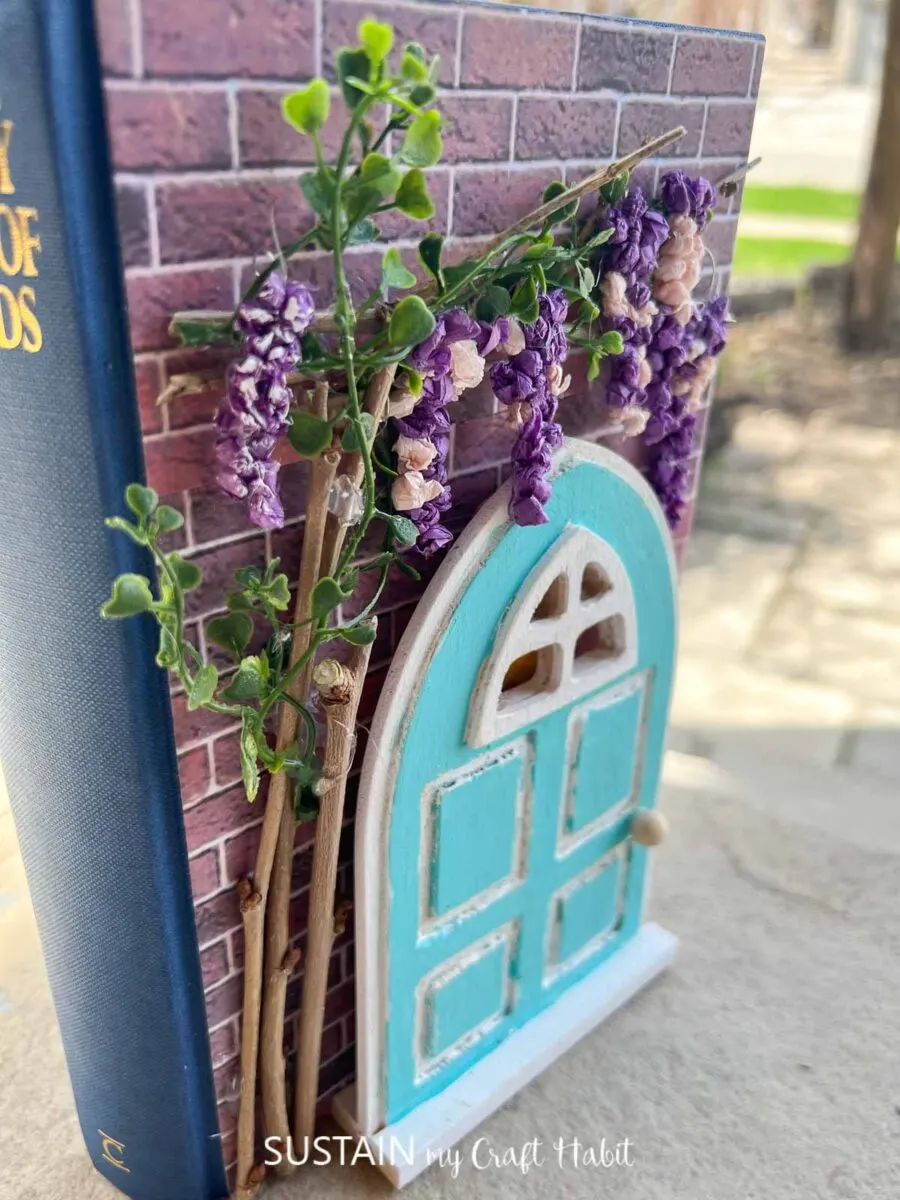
(872, 268)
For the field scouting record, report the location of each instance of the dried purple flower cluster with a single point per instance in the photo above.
(450, 360)
(628, 261)
(682, 196)
(258, 398)
(680, 356)
(533, 379)
(649, 268)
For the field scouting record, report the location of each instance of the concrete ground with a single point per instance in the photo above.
(818, 135)
(764, 1064)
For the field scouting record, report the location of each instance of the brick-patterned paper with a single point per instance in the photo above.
(205, 168)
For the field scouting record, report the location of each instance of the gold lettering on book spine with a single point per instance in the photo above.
(20, 243)
(113, 1151)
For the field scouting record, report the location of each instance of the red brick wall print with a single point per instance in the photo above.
(204, 166)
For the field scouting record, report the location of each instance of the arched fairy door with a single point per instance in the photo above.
(499, 880)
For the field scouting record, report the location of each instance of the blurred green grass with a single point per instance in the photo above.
(784, 258)
(801, 201)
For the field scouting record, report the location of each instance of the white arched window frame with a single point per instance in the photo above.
(572, 629)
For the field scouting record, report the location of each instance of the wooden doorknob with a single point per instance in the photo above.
(648, 827)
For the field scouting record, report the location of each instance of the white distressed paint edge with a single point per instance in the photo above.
(383, 752)
(441, 1122)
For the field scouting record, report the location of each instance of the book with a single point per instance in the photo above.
(86, 736)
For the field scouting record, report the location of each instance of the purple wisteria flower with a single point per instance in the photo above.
(534, 378)
(681, 357)
(258, 399)
(680, 195)
(429, 421)
(638, 231)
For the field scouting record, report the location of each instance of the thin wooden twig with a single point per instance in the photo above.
(340, 688)
(251, 901)
(597, 179)
(728, 184)
(279, 960)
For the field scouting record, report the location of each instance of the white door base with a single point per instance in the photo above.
(403, 1150)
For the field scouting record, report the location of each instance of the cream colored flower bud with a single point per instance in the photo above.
(466, 365)
(414, 454)
(411, 491)
(634, 420)
(557, 382)
(401, 403)
(345, 500)
(645, 376)
(515, 339)
(518, 413)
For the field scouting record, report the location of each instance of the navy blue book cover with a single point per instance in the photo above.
(86, 741)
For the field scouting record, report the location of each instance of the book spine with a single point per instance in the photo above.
(86, 742)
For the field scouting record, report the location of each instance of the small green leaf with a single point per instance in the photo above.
(611, 193)
(361, 202)
(127, 528)
(249, 682)
(249, 756)
(169, 519)
(363, 231)
(362, 85)
(188, 574)
(411, 322)
(407, 569)
(403, 529)
(203, 688)
(203, 331)
(393, 273)
(232, 633)
(349, 440)
(586, 280)
(318, 188)
(360, 635)
(422, 94)
(130, 595)
(422, 146)
(141, 500)
(377, 39)
(348, 580)
(611, 343)
(412, 196)
(431, 248)
(238, 602)
(278, 592)
(248, 577)
(307, 110)
(167, 655)
(349, 64)
(597, 240)
(412, 65)
(326, 596)
(551, 191)
(309, 434)
(525, 301)
(593, 365)
(378, 171)
(414, 381)
(493, 304)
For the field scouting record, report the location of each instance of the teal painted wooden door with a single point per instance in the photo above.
(536, 732)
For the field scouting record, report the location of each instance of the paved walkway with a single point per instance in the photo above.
(821, 137)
